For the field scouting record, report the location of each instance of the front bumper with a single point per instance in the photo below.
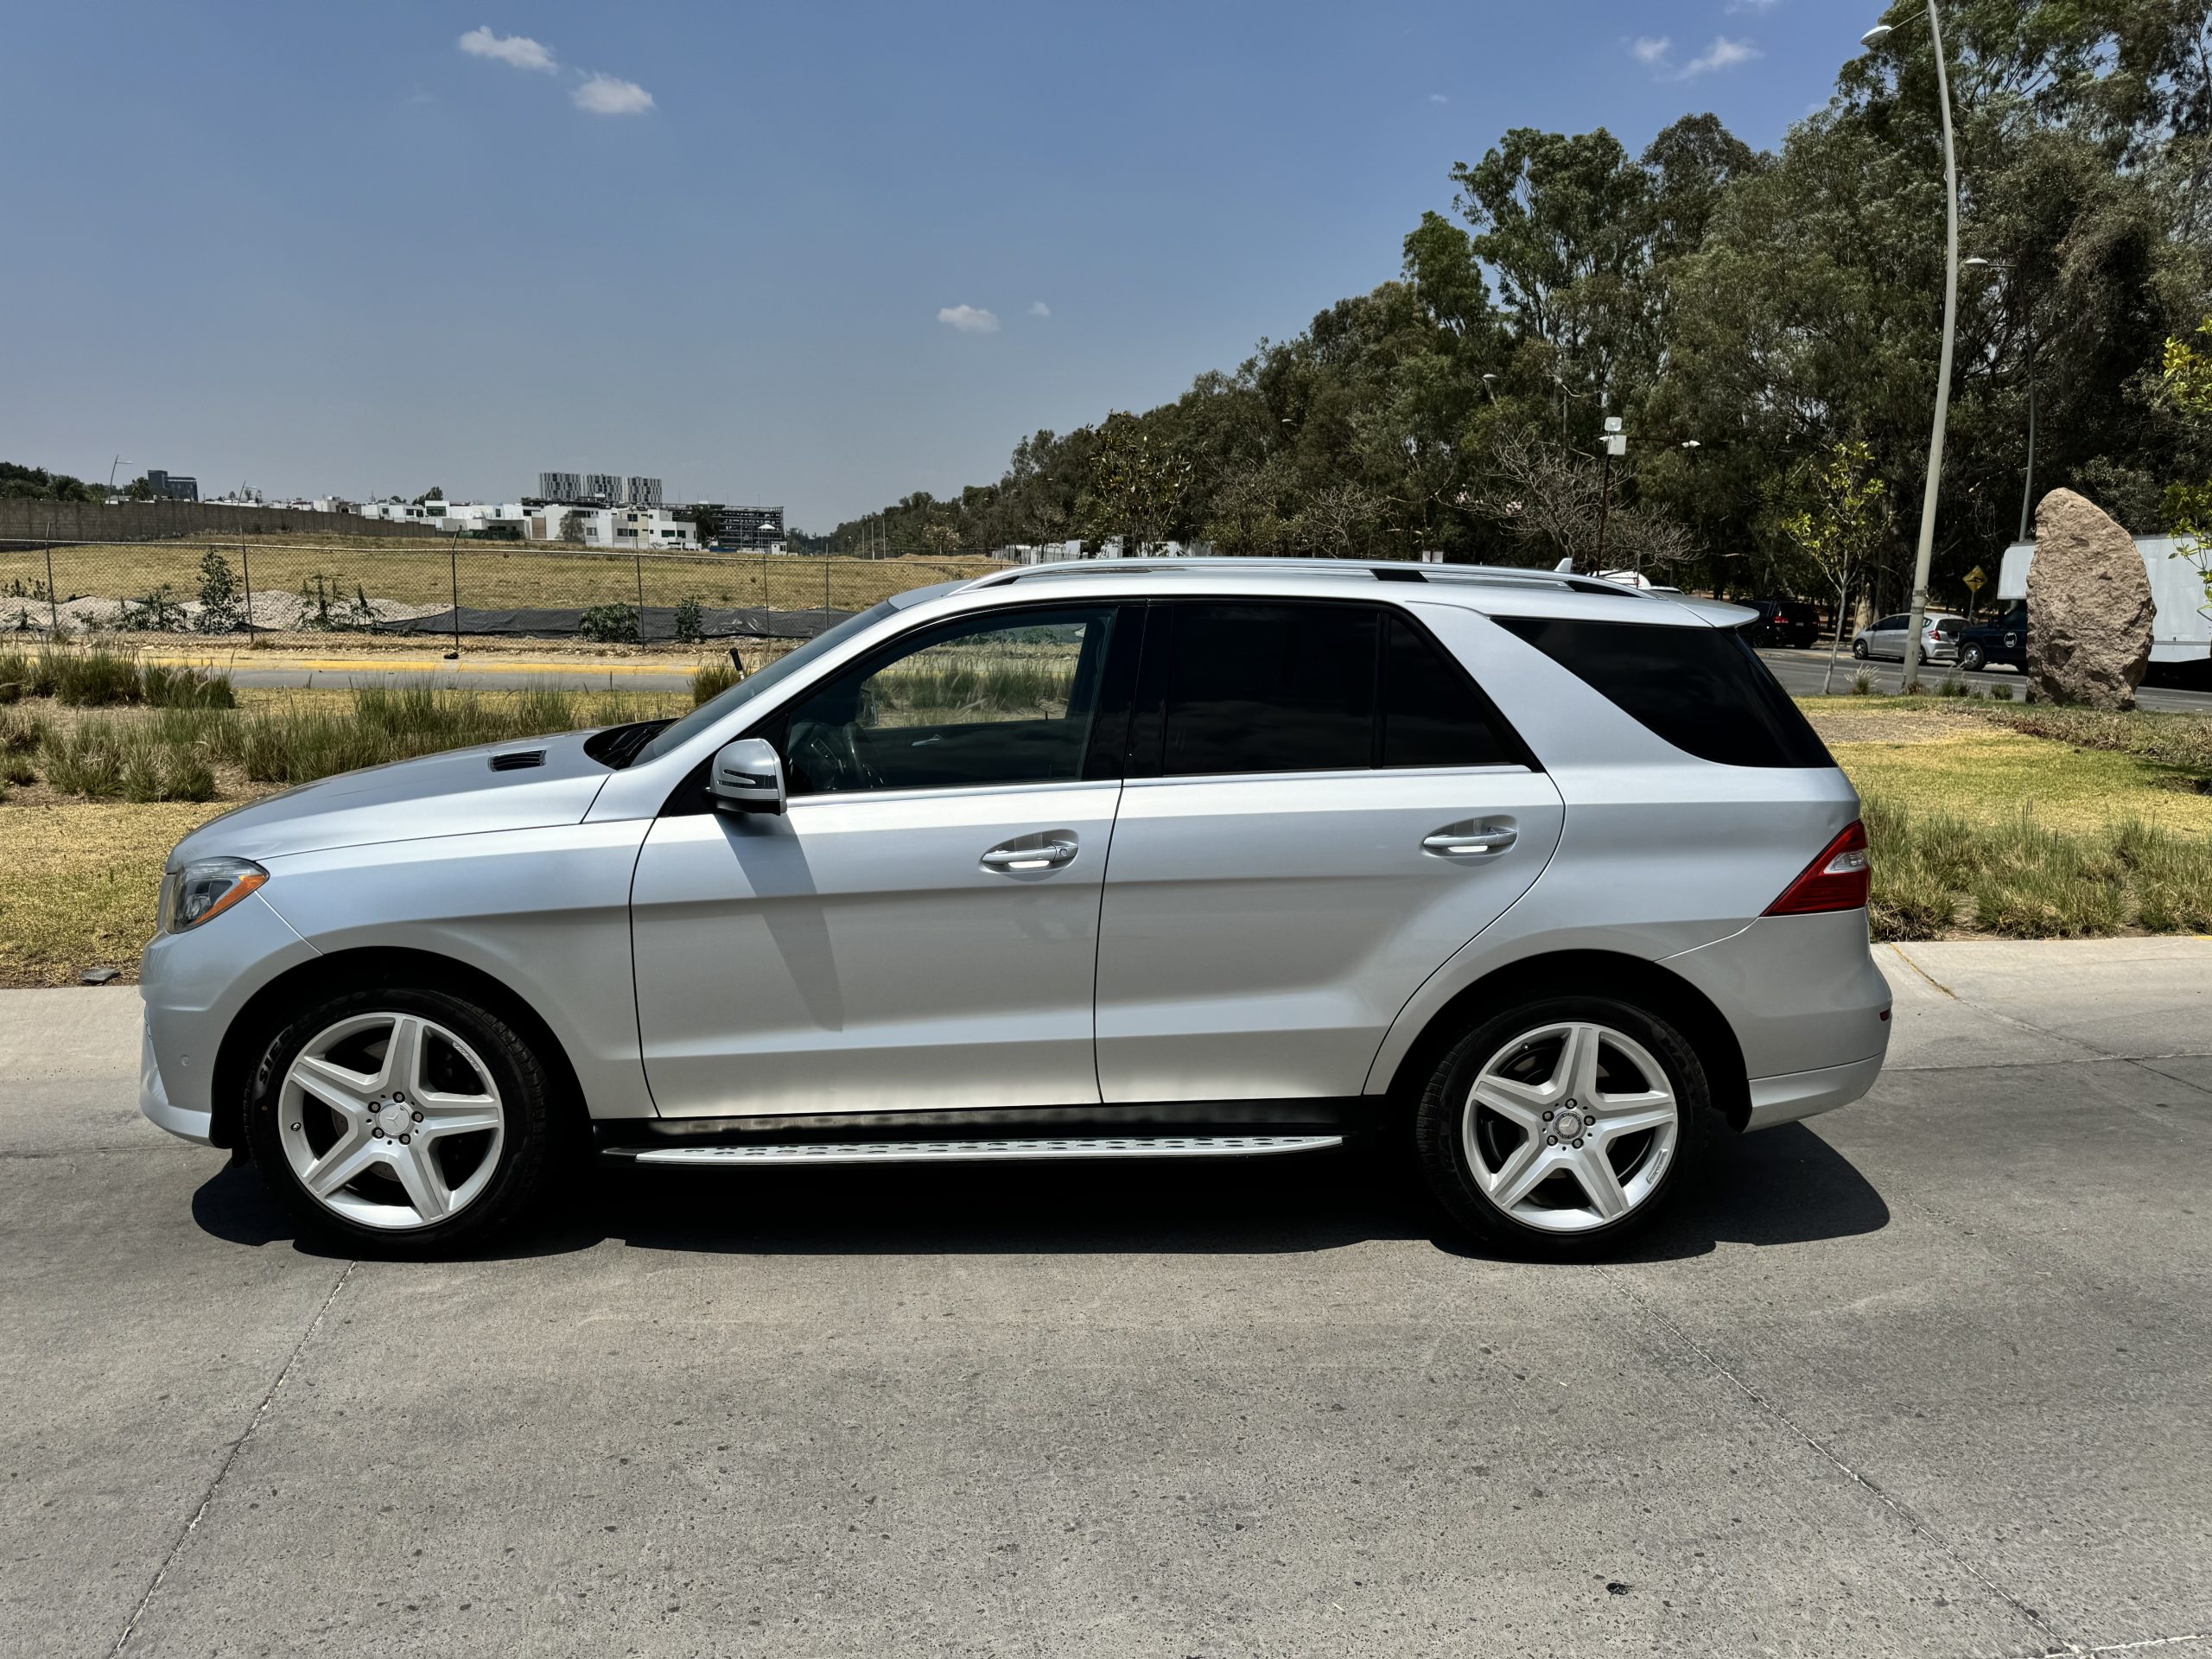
(154, 1099)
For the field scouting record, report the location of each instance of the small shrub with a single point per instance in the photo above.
(14, 675)
(2000, 692)
(87, 761)
(87, 679)
(222, 602)
(711, 680)
(165, 687)
(1952, 686)
(17, 769)
(690, 621)
(609, 624)
(23, 733)
(1862, 683)
(157, 613)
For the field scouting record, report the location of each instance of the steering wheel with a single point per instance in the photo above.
(830, 758)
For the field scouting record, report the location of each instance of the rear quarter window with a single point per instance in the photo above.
(1703, 690)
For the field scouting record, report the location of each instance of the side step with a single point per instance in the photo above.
(976, 1152)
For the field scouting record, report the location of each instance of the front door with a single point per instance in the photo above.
(919, 931)
(1335, 809)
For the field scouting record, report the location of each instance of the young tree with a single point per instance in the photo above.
(1834, 512)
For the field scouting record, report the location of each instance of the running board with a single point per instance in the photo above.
(976, 1152)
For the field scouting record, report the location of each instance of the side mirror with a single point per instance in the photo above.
(746, 776)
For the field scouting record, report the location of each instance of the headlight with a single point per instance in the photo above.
(206, 887)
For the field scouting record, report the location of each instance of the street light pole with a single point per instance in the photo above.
(1925, 553)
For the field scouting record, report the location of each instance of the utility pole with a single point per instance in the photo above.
(1917, 615)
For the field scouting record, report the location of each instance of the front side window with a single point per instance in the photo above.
(1006, 699)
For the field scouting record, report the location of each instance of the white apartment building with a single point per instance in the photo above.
(620, 529)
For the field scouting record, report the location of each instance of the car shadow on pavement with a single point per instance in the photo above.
(1785, 1186)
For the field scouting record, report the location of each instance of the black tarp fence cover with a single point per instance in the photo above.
(655, 622)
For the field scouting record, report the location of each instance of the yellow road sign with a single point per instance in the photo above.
(1977, 579)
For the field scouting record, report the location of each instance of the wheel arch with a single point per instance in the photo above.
(1649, 984)
(267, 1009)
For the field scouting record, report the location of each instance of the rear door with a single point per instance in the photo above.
(1321, 808)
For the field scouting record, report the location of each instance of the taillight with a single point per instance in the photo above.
(1837, 880)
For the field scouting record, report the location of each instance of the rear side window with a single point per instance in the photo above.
(1267, 687)
(1703, 690)
(1432, 714)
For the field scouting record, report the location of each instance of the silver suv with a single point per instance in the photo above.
(1188, 860)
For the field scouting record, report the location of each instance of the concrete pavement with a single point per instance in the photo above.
(1931, 1376)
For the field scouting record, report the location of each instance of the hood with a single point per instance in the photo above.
(456, 793)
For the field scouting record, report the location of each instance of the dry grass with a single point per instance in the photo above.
(493, 574)
(83, 882)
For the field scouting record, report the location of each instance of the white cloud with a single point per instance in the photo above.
(518, 51)
(1723, 53)
(606, 95)
(1752, 5)
(1438, 98)
(1650, 49)
(967, 319)
(1037, 309)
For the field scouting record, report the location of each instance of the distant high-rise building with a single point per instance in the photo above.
(172, 486)
(641, 491)
(560, 486)
(606, 487)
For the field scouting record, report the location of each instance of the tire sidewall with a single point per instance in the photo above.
(514, 1068)
(1439, 1116)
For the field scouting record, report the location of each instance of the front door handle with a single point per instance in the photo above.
(1470, 841)
(1047, 851)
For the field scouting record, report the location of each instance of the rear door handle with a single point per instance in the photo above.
(1482, 841)
(1047, 851)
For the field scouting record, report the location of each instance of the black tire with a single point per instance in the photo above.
(1859, 649)
(1970, 659)
(1440, 1115)
(530, 1104)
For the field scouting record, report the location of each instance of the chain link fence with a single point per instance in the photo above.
(443, 595)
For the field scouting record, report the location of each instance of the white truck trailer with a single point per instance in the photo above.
(2181, 633)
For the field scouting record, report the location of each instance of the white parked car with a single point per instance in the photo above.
(1199, 859)
(1939, 637)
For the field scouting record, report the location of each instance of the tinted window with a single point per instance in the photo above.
(1004, 700)
(1888, 623)
(1703, 690)
(1432, 714)
(1269, 688)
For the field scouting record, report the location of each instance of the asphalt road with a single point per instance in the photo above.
(1933, 1377)
(1802, 673)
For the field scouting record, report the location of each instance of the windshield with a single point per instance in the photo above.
(760, 680)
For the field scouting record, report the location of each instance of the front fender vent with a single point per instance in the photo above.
(517, 760)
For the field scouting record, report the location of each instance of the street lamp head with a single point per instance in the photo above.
(1692, 443)
(1489, 376)
(1876, 34)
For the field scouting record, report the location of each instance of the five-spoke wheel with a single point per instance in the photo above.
(400, 1116)
(1561, 1120)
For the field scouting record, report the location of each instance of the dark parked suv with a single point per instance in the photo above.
(1781, 622)
(2002, 639)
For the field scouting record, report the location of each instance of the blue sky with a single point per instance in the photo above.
(326, 247)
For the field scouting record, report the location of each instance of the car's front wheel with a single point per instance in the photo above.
(1971, 658)
(1565, 1125)
(401, 1121)
(1858, 649)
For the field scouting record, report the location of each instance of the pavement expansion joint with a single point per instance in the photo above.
(1918, 1528)
(222, 1473)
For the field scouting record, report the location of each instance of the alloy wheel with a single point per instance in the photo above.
(390, 1121)
(1570, 1126)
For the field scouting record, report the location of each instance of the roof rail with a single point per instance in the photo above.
(1379, 569)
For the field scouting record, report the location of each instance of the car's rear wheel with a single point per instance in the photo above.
(401, 1121)
(1971, 658)
(1563, 1126)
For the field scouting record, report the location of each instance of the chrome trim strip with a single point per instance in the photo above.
(968, 1152)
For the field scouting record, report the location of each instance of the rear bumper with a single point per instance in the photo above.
(1793, 1094)
(154, 1099)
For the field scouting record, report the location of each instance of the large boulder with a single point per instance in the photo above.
(2090, 606)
